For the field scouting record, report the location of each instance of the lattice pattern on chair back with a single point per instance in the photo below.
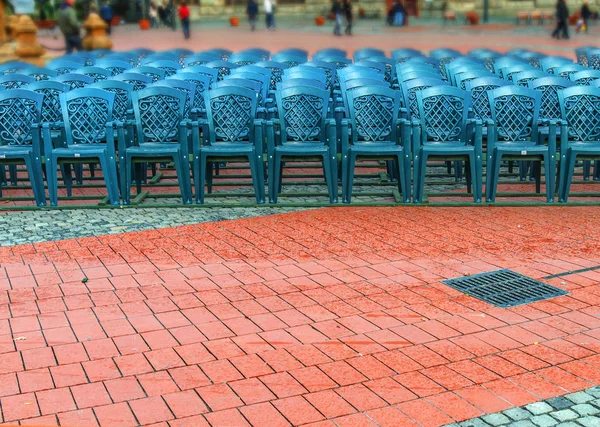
(188, 88)
(479, 95)
(85, 114)
(410, 89)
(549, 87)
(583, 78)
(373, 113)
(515, 112)
(15, 81)
(75, 81)
(594, 59)
(302, 112)
(137, 80)
(580, 107)
(39, 73)
(158, 113)
(155, 73)
(231, 111)
(19, 110)
(96, 73)
(169, 67)
(202, 82)
(122, 100)
(51, 109)
(443, 112)
(223, 68)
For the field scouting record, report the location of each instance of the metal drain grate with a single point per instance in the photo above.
(504, 288)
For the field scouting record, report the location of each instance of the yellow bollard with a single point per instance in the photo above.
(28, 49)
(95, 37)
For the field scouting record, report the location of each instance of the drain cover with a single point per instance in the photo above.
(504, 288)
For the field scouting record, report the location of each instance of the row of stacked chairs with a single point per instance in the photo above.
(126, 110)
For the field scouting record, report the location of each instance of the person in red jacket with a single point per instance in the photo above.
(184, 17)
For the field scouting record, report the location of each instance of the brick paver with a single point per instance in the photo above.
(309, 317)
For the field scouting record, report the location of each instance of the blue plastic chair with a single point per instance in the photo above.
(95, 73)
(567, 70)
(252, 68)
(583, 78)
(122, 105)
(20, 142)
(480, 102)
(63, 66)
(51, 108)
(289, 60)
(405, 77)
(329, 68)
(523, 78)
(202, 82)
(314, 74)
(74, 80)
(300, 82)
(241, 59)
(514, 134)
(380, 67)
(14, 67)
(224, 53)
(594, 59)
(550, 63)
(15, 81)
(155, 73)
(114, 67)
(201, 58)
(461, 79)
(294, 51)
(367, 52)
(276, 70)
(444, 52)
(211, 73)
(446, 132)
(160, 56)
(231, 131)
(506, 61)
(169, 67)
(161, 135)
(137, 80)
(549, 88)
(39, 73)
(255, 51)
(223, 68)
(509, 71)
(582, 54)
(186, 87)
(579, 137)
(304, 132)
(88, 135)
(263, 79)
(332, 51)
(409, 92)
(432, 62)
(404, 54)
(375, 131)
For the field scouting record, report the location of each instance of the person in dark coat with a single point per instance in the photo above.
(349, 16)
(562, 20)
(586, 14)
(337, 11)
(106, 13)
(252, 11)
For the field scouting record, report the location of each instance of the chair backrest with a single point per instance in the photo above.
(404, 54)
(123, 92)
(352, 84)
(114, 66)
(211, 73)
(367, 52)
(480, 101)
(443, 113)
(294, 73)
(138, 80)
(252, 68)
(202, 82)
(230, 111)
(360, 74)
(13, 67)
(583, 78)
(549, 88)
(302, 111)
(549, 63)
(579, 109)
(238, 82)
(515, 112)
(444, 52)
(169, 67)
(51, 91)
(263, 79)
(20, 109)
(141, 52)
(158, 112)
(155, 73)
(39, 73)
(509, 71)
(410, 89)
(95, 73)
(593, 56)
(182, 53)
(160, 56)
(374, 65)
(331, 51)
(201, 59)
(329, 69)
(63, 66)
(582, 54)
(224, 53)
(74, 80)
(86, 111)
(373, 114)
(565, 71)
(506, 61)
(404, 77)
(241, 59)
(15, 81)
(294, 51)
(223, 68)
(300, 82)
(432, 62)
(255, 51)
(276, 70)
(289, 59)
(523, 78)
(410, 67)
(461, 79)
(129, 58)
(188, 88)
(595, 83)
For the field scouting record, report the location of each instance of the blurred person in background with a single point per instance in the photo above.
(153, 16)
(252, 11)
(270, 14)
(562, 17)
(184, 17)
(106, 13)
(349, 16)
(69, 27)
(337, 10)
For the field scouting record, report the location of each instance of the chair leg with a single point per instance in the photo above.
(350, 183)
(478, 177)
(92, 170)
(344, 176)
(51, 171)
(469, 178)
(449, 167)
(328, 177)
(13, 174)
(109, 171)
(33, 179)
(2, 175)
(420, 178)
(596, 170)
(458, 170)
(68, 178)
(140, 173)
(537, 173)
(334, 173)
(182, 175)
(523, 171)
(568, 177)
(78, 168)
(550, 169)
(197, 172)
(489, 176)
(403, 187)
(209, 176)
(511, 165)
(587, 165)
(471, 169)
(202, 177)
(496, 175)
(277, 171)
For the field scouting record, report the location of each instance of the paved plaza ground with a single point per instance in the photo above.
(279, 316)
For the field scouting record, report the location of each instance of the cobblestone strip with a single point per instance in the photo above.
(40, 226)
(572, 410)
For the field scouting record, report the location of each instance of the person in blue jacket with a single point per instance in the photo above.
(106, 13)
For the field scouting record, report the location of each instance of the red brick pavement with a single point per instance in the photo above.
(320, 317)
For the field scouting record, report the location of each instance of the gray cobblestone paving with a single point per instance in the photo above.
(573, 410)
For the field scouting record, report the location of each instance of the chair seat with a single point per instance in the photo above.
(306, 149)
(228, 148)
(154, 148)
(375, 148)
(589, 148)
(14, 151)
(80, 151)
(518, 148)
(448, 148)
